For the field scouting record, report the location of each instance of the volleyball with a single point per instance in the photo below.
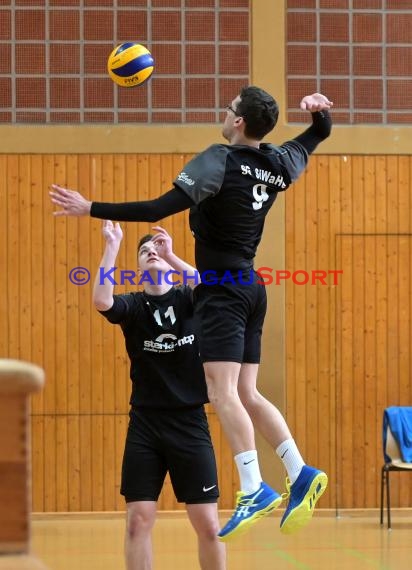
(130, 64)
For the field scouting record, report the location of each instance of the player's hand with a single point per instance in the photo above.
(112, 233)
(315, 102)
(162, 242)
(71, 202)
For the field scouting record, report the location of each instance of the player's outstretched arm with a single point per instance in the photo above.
(103, 288)
(72, 203)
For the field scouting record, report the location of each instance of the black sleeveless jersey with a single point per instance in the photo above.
(165, 368)
(233, 187)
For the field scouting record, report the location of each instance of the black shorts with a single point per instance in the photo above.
(229, 320)
(177, 441)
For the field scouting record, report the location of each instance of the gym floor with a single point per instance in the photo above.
(355, 541)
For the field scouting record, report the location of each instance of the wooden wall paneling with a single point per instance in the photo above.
(36, 240)
(166, 499)
(308, 382)
(299, 349)
(358, 325)
(62, 466)
(23, 315)
(86, 459)
(393, 318)
(142, 191)
(122, 192)
(85, 346)
(405, 292)
(96, 323)
(367, 446)
(321, 448)
(48, 298)
(37, 462)
(370, 420)
(120, 438)
(50, 464)
(106, 338)
(4, 219)
(344, 364)
(73, 317)
(155, 175)
(369, 199)
(109, 464)
(392, 190)
(328, 391)
(404, 184)
(393, 368)
(381, 194)
(60, 272)
(359, 330)
(74, 465)
(382, 308)
(13, 253)
(372, 467)
(356, 376)
(44, 471)
(98, 467)
(404, 337)
(291, 197)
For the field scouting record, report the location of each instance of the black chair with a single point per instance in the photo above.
(393, 462)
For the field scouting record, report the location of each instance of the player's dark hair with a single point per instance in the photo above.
(259, 111)
(144, 239)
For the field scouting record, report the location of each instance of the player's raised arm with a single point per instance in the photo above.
(103, 289)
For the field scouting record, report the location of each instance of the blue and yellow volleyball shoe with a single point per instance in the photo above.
(249, 509)
(303, 496)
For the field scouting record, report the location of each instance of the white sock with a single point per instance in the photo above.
(249, 472)
(292, 459)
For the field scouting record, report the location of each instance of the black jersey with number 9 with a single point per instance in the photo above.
(233, 187)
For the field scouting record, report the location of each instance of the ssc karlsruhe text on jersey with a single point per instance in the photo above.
(233, 187)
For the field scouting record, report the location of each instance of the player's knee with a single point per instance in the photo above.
(139, 524)
(221, 393)
(207, 531)
(251, 399)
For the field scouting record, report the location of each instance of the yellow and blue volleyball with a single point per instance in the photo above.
(130, 64)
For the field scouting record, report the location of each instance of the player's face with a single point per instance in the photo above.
(232, 120)
(150, 260)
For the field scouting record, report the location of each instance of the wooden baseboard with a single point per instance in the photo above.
(21, 562)
(331, 513)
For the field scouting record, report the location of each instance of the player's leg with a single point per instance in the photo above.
(222, 383)
(223, 318)
(221, 314)
(205, 521)
(143, 473)
(305, 484)
(193, 473)
(140, 518)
